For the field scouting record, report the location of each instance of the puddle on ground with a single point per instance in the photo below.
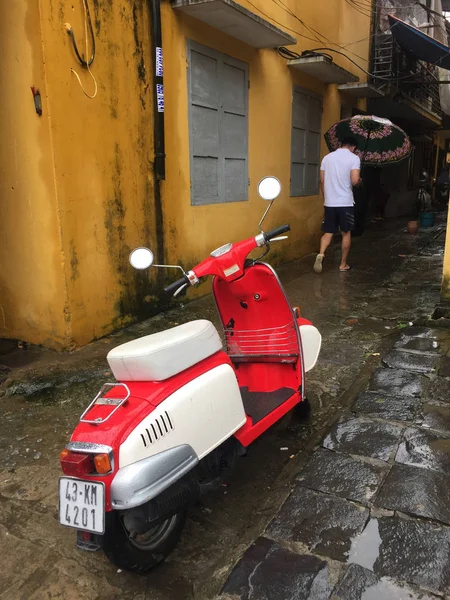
(388, 590)
(437, 409)
(440, 445)
(365, 548)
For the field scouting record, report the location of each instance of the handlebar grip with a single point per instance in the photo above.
(173, 287)
(275, 232)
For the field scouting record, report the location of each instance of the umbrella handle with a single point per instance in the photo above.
(365, 149)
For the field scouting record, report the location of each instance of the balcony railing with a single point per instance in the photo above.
(398, 73)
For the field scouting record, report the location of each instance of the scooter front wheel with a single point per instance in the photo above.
(143, 551)
(303, 409)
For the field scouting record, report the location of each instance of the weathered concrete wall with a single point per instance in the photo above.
(33, 297)
(445, 288)
(82, 173)
(195, 230)
(440, 140)
(77, 188)
(104, 161)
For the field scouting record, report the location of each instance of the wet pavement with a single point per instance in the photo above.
(373, 501)
(360, 515)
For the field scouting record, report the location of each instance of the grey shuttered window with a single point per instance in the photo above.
(218, 126)
(305, 142)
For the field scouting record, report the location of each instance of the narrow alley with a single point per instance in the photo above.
(269, 442)
(361, 315)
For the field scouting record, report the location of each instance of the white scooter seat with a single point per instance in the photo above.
(162, 355)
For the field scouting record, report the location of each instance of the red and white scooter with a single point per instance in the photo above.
(184, 407)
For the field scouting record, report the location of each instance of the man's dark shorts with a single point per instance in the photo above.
(338, 218)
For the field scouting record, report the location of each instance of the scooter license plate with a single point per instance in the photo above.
(82, 504)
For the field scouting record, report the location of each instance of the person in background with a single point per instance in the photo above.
(379, 194)
(339, 171)
(442, 186)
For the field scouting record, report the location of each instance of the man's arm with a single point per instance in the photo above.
(322, 182)
(355, 173)
(355, 177)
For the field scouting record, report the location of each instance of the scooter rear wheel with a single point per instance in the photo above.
(141, 552)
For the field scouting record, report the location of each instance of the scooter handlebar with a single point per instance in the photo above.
(173, 287)
(276, 232)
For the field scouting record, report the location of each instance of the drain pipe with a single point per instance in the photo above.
(159, 165)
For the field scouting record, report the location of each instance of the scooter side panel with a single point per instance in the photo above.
(202, 414)
(145, 396)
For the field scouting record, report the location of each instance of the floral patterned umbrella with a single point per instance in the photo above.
(380, 142)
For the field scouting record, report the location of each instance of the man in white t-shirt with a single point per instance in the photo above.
(339, 171)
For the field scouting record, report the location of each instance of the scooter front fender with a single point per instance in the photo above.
(311, 343)
(144, 480)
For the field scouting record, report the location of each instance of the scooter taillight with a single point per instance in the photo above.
(76, 464)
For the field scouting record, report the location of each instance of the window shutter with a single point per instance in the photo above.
(305, 142)
(234, 130)
(218, 126)
(298, 142)
(313, 145)
(204, 126)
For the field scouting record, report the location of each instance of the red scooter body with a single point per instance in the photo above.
(152, 444)
(263, 342)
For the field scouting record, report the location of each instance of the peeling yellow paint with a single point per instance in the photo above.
(77, 188)
(193, 231)
(76, 185)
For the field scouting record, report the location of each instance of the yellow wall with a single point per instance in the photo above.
(441, 138)
(445, 289)
(32, 283)
(195, 230)
(77, 188)
(77, 184)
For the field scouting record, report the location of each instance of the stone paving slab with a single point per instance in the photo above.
(364, 438)
(419, 363)
(269, 572)
(417, 491)
(444, 367)
(396, 382)
(362, 584)
(343, 475)
(418, 345)
(438, 391)
(396, 557)
(395, 408)
(434, 248)
(407, 550)
(325, 524)
(427, 449)
(421, 332)
(435, 416)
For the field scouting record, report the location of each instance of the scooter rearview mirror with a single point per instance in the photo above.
(141, 258)
(269, 188)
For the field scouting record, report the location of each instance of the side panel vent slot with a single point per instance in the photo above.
(156, 430)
